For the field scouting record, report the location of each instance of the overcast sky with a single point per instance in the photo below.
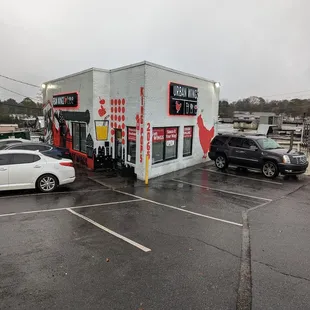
(253, 47)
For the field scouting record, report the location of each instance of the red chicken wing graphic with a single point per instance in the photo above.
(178, 106)
(205, 136)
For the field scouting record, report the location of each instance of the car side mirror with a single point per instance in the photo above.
(253, 148)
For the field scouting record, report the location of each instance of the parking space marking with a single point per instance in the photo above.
(54, 193)
(137, 245)
(75, 207)
(179, 209)
(223, 191)
(241, 177)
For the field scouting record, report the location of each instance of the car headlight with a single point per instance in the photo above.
(286, 159)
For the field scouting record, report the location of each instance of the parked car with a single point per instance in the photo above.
(21, 169)
(12, 141)
(44, 148)
(256, 152)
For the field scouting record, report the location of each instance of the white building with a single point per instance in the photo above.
(130, 113)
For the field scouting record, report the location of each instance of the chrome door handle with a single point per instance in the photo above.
(37, 166)
(240, 152)
(3, 169)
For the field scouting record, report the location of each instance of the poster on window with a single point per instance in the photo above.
(171, 134)
(188, 132)
(132, 134)
(158, 135)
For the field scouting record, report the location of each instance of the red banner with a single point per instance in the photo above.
(132, 134)
(188, 132)
(158, 135)
(171, 134)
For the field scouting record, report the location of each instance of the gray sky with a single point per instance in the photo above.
(253, 47)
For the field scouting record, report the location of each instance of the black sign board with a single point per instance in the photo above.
(182, 99)
(65, 100)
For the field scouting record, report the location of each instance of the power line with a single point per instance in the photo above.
(18, 81)
(16, 93)
(294, 92)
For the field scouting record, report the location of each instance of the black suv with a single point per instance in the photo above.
(256, 152)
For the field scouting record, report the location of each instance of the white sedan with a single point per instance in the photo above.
(30, 169)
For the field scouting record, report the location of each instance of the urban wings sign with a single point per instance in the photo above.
(183, 99)
(69, 100)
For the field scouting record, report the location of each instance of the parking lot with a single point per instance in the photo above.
(180, 243)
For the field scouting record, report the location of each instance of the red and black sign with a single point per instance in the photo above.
(171, 134)
(183, 99)
(158, 135)
(132, 134)
(70, 100)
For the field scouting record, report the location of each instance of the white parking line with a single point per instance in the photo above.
(137, 245)
(240, 176)
(76, 207)
(179, 209)
(223, 191)
(56, 193)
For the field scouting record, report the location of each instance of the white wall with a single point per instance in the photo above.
(126, 83)
(156, 93)
(101, 90)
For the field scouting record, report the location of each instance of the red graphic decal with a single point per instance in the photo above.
(148, 138)
(141, 122)
(123, 101)
(123, 126)
(123, 141)
(112, 131)
(205, 136)
(178, 106)
(123, 133)
(102, 111)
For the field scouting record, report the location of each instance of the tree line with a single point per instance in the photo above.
(9, 108)
(294, 107)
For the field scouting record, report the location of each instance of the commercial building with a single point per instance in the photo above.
(146, 117)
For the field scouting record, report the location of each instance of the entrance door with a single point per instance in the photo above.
(118, 145)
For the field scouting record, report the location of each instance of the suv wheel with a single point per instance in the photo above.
(270, 170)
(221, 161)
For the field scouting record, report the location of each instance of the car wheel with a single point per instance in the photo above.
(221, 162)
(270, 170)
(47, 183)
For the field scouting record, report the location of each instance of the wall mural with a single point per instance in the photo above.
(117, 121)
(205, 136)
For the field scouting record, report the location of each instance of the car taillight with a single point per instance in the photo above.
(66, 164)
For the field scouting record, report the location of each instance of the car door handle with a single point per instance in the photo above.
(3, 169)
(37, 166)
(240, 152)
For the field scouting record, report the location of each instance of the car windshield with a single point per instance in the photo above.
(268, 144)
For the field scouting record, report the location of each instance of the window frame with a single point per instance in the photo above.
(80, 140)
(192, 138)
(164, 142)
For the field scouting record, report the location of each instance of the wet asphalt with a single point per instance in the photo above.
(183, 248)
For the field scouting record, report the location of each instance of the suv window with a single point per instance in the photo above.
(219, 140)
(4, 159)
(247, 143)
(24, 159)
(235, 142)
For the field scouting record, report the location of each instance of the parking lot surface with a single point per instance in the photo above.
(177, 244)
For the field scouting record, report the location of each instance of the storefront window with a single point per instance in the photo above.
(79, 137)
(131, 144)
(188, 141)
(171, 143)
(164, 144)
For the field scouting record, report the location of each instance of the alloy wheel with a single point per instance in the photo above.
(47, 183)
(269, 169)
(220, 162)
